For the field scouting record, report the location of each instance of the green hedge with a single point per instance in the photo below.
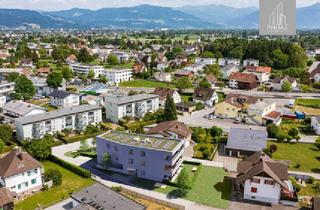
(75, 169)
(136, 125)
(72, 139)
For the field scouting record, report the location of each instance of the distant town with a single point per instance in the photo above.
(159, 119)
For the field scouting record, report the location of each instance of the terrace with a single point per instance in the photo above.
(139, 140)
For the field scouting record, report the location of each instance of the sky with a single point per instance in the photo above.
(51, 5)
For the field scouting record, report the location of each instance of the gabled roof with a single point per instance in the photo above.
(264, 69)
(286, 78)
(314, 72)
(162, 92)
(212, 78)
(171, 126)
(16, 162)
(259, 163)
(6, 196)
(203, 94)
(247, 139)
(61, 94)
(21, 108)
(240, 101)
(243, 77)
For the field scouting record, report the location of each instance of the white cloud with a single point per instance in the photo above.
(96, 4)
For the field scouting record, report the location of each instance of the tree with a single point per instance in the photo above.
(84, 56)
(112, 59)
(103, 79)
(40, 148)
(54, 175)
(204, 83)
(6, 133)
(317, 143)
(216, 131)
(54, 80)
(280, 60)
(2, 145)
(184, 83)
(66, 73)
(207, 54)
(213, 69)
(183, 180)
(24, 89)
(294, 132)
(12, 76)
(91, 74)
(286, 87)
(273, 130)
(106, 161)
(199, 106)
(170, 112)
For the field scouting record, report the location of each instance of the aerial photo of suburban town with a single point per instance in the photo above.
(159, 105)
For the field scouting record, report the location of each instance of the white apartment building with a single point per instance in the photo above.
(117, 75)
(85, 68)
(250, 62)
(227, 61)
(135, 106)
(206, 61)
(122, 56)
(6, 87)
(74, 118)
(162, 76)
(42, 88)
(20, 173)
(64, 99)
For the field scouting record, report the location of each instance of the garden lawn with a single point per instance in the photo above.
(307, 102)
(70, 183)
(305, 154)
(146, 83)
(210, 188)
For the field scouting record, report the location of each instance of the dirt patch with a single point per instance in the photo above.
(307, 110)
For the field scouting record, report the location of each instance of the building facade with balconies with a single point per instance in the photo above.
(136, 106)
(143, 156)
(74, 118)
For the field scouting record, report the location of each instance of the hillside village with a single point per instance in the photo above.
(159, 120)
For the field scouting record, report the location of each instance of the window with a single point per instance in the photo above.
(33, 181)
(13, 187)
(130, 161)
(36, 171)
(269, 182)
(29, 173)
(115, 148)
(19, 186)
(108, 145)
(26, 184)
(131, 152)
(255, 180)
(143, 153)
(254, 189)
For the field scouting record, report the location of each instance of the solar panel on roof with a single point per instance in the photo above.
(168, 145)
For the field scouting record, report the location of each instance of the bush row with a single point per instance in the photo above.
(75, 169)
(72, 139)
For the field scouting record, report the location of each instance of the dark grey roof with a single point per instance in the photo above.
(57, 113)
(129, 99)
(60, 94)
(101, 197)
(247, 139)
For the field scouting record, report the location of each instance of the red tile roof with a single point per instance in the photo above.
(242, 77)
(5, 196)
(265, 69)
(174, 126)
(273, 115)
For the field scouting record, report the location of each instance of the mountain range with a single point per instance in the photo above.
(151, 17)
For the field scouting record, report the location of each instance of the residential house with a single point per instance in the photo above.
(262, 77)
(173, 130)
(121, 56)
(180, 60)
(26, 62)
(315, 124)
(243, 141)
(187, 107)
(42, 88)
(71, 59)
(262, 113)
(118, 75)
(142, 156)
(15, 109)
(136, 106)
(242, 81)
(6, 199)
(232, 105)
(227, 70)
(196, 68)
(278, 82)
(6, 87)
(162, 66)
(315, 75)
(205, 61)
(64, 99)
(98, 196)
(84, 69)
(212, 79)
(191, 49)
(74, 118)
(20, 173)
(163, 92)
(264, 69)
(227, 61)
(139, 67)
(43, 72)
(206, 96)
(162, 76)
(265, 180)
(183, 73)
(250, 62)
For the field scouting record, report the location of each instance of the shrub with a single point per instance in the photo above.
(310, 180)
(199, 106)
(54, 175)
(183, 180)
(295, 184)
(273, 130)
(116, 188)
(75, 169)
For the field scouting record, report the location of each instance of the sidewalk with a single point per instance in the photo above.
(204, 162)
(314, 175)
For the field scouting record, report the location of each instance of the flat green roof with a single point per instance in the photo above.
(140, 140)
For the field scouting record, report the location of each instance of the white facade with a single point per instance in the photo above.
(210, 102)
(24, 183)
(250, 62)
(315, 124)
(228, 70)
(118, 75)
(84, 69)
(121, 56)
(263, 77)
(69, 101)
(162, 66)
(206, 61)
(162, 77)
(227, 61)
(6, 87)
(175, 96)
(316, 77)
(3, 100)
(118, 107)
(262, 189)
(75, 118)
(195, 68)
(278, 86)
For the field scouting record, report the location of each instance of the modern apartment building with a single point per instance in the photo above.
(6, 87)
(75, 118)
(64, 99)
(148, 157)
(117, 75)
(135, 106)
(80, 68)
